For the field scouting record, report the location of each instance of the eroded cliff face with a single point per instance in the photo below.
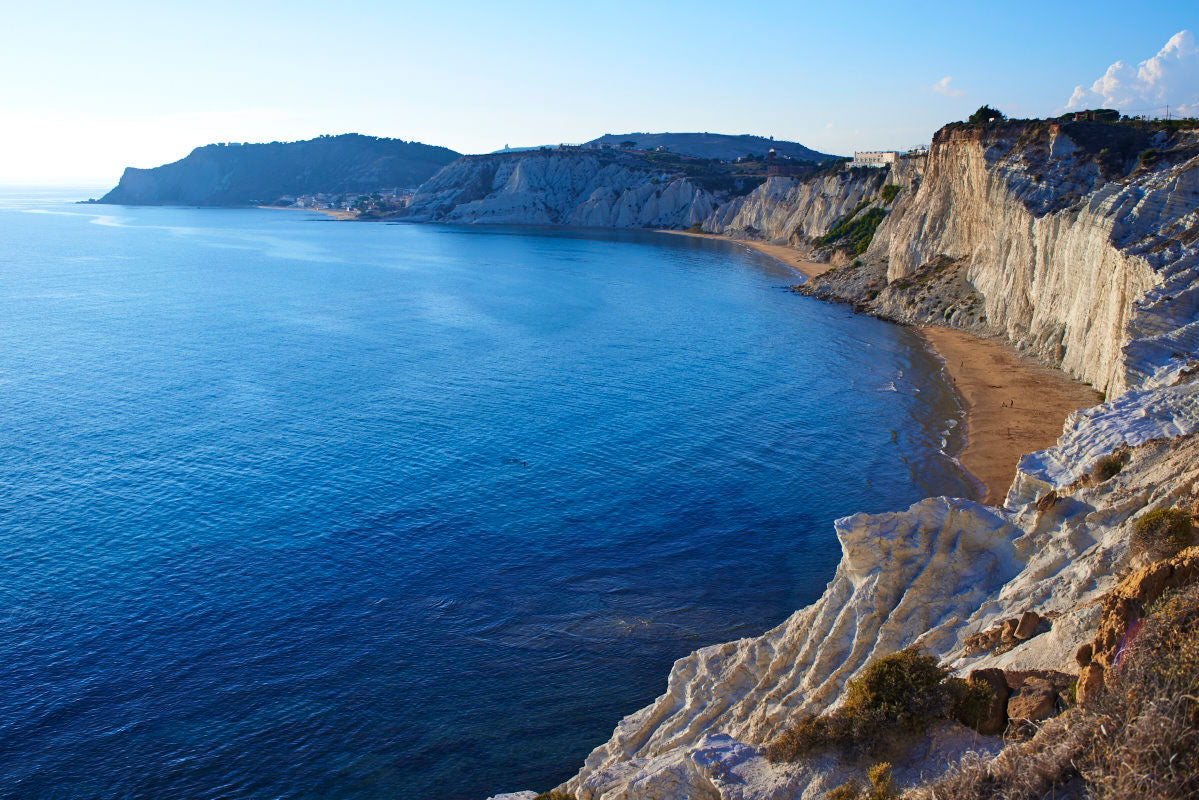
(793, 211)
(931, 576)
(1089, 271)
(560, 188)
(1066, 251)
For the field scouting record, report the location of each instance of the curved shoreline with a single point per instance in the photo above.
(1012, 404)
(788, 256)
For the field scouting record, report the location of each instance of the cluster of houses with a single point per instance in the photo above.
(382, 198)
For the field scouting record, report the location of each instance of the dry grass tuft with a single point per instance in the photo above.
(1163, 532)
(1140, 741)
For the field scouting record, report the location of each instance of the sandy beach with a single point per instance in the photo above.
(1013, 404)
(336, 213)
(779, 252)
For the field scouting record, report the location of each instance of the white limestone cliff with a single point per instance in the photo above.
(1095, 274)
(560, 188)
(792, 211)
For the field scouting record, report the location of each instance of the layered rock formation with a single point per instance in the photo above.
(561, 187)
(794, 211)
(1059, 240)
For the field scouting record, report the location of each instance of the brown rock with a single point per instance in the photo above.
(995, 718)
(1008, 632)
(1026, 628)
(1047, 502)
(1125, 604)
(1090, 683)
(1034, 701)
(983, 642)
(1083, 656)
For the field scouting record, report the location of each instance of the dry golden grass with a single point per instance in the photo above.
(1141, 740)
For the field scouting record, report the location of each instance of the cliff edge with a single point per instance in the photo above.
(1078, 244)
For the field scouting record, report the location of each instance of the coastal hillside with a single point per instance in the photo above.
(1015, 625)
(618, 188)
(711, 145)
(257, 174)
(600, 188)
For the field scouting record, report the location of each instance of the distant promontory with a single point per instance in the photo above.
(264, 174)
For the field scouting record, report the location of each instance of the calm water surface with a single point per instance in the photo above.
(292, 508)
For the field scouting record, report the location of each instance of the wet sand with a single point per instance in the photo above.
(1013, 404)
(779, 252)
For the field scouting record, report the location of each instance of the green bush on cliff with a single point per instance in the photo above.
(1108, 467)
(882, 786)
(1162, 533)
(986, 114)
(894, 696)
(889, 192)
(852, 232)
(554, 796)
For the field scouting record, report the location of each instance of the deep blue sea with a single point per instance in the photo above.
(297, 508)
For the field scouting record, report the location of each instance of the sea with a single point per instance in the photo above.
(299, 508)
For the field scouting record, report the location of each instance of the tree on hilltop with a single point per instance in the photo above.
(986, 114)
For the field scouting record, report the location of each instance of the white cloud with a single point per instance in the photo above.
(1170, 77)
(942, 87)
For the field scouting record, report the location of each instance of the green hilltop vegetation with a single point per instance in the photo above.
(258, 174)
(711, 145)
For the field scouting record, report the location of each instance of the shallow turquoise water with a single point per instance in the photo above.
(305, 509)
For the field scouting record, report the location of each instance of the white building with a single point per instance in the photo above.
(874, 158)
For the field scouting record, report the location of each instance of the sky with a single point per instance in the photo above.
(90, 88)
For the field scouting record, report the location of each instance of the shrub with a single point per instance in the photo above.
(969, 701)
(882, 784)
(889, 192)
(986, 114)
(852, 231)
(1108, 467)
(850, 790)
(894, 696)
(1140, 741)
(1162, 532)
(900, 687)
(554, 796)
(804, 735)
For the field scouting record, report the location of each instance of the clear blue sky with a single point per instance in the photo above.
(93, 87)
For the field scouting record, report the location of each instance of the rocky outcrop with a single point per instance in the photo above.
(1123, 608)
(793, 211)
(1071, 251)
(561, 187)
(255, 174)
(1064, 246)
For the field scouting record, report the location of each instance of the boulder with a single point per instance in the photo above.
(995, 719)
(1034, 701)
(1026, 628)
